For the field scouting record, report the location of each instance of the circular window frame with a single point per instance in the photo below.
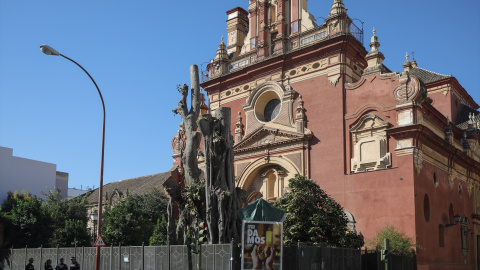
(262, 102)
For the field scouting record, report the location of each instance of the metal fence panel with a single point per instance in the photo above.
(162, 258)
(372, 260)
(214, 257)
(49, 253)
(179, 258)
(6, 258)
(19, 258)
(136, 258)
(149, 258)
(88, 258)
(222, 256)
(105, 253)
(290, 257)
(124, 258)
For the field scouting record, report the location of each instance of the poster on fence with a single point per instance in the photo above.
(262, 245)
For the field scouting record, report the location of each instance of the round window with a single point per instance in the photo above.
(267, 106)
(271, 109)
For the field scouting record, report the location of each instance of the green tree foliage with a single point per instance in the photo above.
(27, 222)
(73, 233)
(69, 220)
(313, 217)
(400, 243)
(159, 236)
(44, 222)
(132, 221)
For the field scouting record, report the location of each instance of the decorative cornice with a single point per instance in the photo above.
(294, 137)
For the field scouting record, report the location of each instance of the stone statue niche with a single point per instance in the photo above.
(218, 204)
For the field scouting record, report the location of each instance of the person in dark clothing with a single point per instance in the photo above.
(48, 265)
(61, 265)
(74, 265)
(30, 266)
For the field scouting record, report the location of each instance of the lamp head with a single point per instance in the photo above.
(457, 218)
(94, 215)
(48, 50)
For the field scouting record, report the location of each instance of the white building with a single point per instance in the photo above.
(33, 176)
(75, 192)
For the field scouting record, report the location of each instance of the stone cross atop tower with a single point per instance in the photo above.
(407, 66)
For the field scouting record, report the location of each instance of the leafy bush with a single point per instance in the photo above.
(400, 243)
(313, 217)
(132, 221)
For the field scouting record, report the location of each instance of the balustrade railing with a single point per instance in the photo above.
(304, 39)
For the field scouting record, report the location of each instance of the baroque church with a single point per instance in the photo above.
(399, 148)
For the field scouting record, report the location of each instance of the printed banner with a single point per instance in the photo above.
(262, 245)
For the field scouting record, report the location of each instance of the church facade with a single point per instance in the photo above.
(398, 148)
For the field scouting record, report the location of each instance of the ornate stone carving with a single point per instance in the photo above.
(238, 128)
(300, 116)
(269, 138)
(470, 186)
(409, 89)
(178, 142)
(418, 160)
(451, 179)
(334, 80)
(260, 98)
(370, 144)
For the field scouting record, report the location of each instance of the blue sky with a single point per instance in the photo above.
(138, 51)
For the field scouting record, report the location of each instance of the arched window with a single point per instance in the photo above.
(426, 208)
(351, 221)
(441, 236)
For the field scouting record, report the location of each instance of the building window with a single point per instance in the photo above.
(295, 26)
(273, 14)
(441, 236)
(426, 208)
(271, 109)
(435, 182)
(252, 43)
(268, 106)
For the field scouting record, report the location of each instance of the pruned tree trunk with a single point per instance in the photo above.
(219, 176)
(189, 118)
(220, 206)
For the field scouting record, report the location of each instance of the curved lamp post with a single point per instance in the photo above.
(51, 51)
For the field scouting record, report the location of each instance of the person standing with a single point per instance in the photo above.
(74, 265)
(30, 266)
(48, 265)
(61, 265)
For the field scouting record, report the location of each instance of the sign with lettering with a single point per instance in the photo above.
(262, 245)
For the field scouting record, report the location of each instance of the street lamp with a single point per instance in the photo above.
(94, 218)
(457, 219)
(51, 51)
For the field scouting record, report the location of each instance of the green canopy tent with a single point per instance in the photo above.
(261, 210)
